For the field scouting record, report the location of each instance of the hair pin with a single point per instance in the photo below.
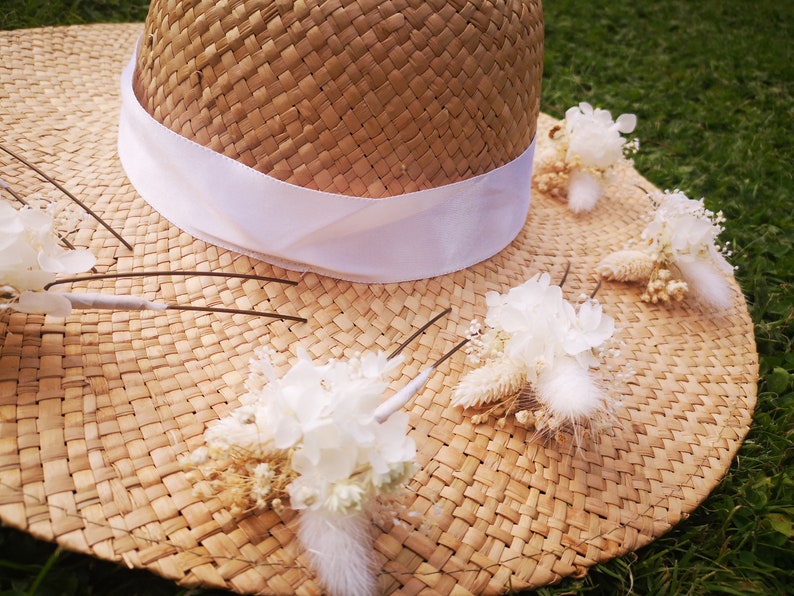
(678, 253)
(314, 440)
(586, 148)
(25, 283)
(404, 395)
(542, 359)
(111, 301)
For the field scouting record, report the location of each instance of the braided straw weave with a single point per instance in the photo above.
(358, 97)
(96, 409)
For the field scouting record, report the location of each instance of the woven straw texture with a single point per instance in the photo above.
(359, 97)
(96, 409)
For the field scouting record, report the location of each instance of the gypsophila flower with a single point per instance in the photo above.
(537, 358)
(310, 436)
(680, 254)
(582, 153)
(30, 258)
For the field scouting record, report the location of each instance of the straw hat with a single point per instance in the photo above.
(97, 409)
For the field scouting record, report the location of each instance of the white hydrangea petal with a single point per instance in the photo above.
(325, 435)
(626, 123)
(67, 261)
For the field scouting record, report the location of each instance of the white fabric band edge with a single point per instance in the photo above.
(405, 237)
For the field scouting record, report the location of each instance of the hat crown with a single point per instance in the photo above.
(364, 98)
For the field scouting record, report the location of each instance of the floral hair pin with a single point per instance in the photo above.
(35, 255)
(321, 440)
(538, 357)
(31, 261)
(679, 254)
(586, 147)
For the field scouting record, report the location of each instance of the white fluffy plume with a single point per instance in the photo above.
(340, 549)
(706, 283)
(569, 391)
(583, 191)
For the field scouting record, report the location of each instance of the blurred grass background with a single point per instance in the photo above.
(711, 83)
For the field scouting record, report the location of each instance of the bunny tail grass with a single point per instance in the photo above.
(583, 191)
(706, 283)
(340, 549)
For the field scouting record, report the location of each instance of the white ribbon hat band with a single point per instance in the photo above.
(405, 237)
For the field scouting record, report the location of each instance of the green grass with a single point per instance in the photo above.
(711, 83)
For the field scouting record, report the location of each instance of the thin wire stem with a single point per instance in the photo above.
(60, 187)
(446, 356)
(595, 290)
(565, 275)
(235, 311)
(6, 186)
(263, 278)
(419, 331)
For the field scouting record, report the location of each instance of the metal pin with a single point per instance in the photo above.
(449, 354)
(418, 332)
(182, 273)
(60, 187)
(565, 275)
(93, 300)
(235, 311)
(404, 395)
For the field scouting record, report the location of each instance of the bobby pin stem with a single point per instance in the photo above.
(181, 273)
(404, 395)
(565, 275)
(452, 351)
(418, 332)
(235, 311)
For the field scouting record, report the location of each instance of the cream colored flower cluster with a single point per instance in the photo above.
(681, 254)
(537, 356)
(309, 438)
(31, 258)
(584, 149)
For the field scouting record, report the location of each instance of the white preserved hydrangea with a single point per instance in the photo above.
(680, 254)
(31, 258)
(584, 149)
(594, 139)
(537, 353)
(321, 418)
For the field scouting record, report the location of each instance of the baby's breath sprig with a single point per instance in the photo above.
(249, 480)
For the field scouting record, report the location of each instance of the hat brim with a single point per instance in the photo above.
(96, 409)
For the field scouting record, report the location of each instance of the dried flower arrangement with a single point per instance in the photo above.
(679, 254)
(585, 149)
